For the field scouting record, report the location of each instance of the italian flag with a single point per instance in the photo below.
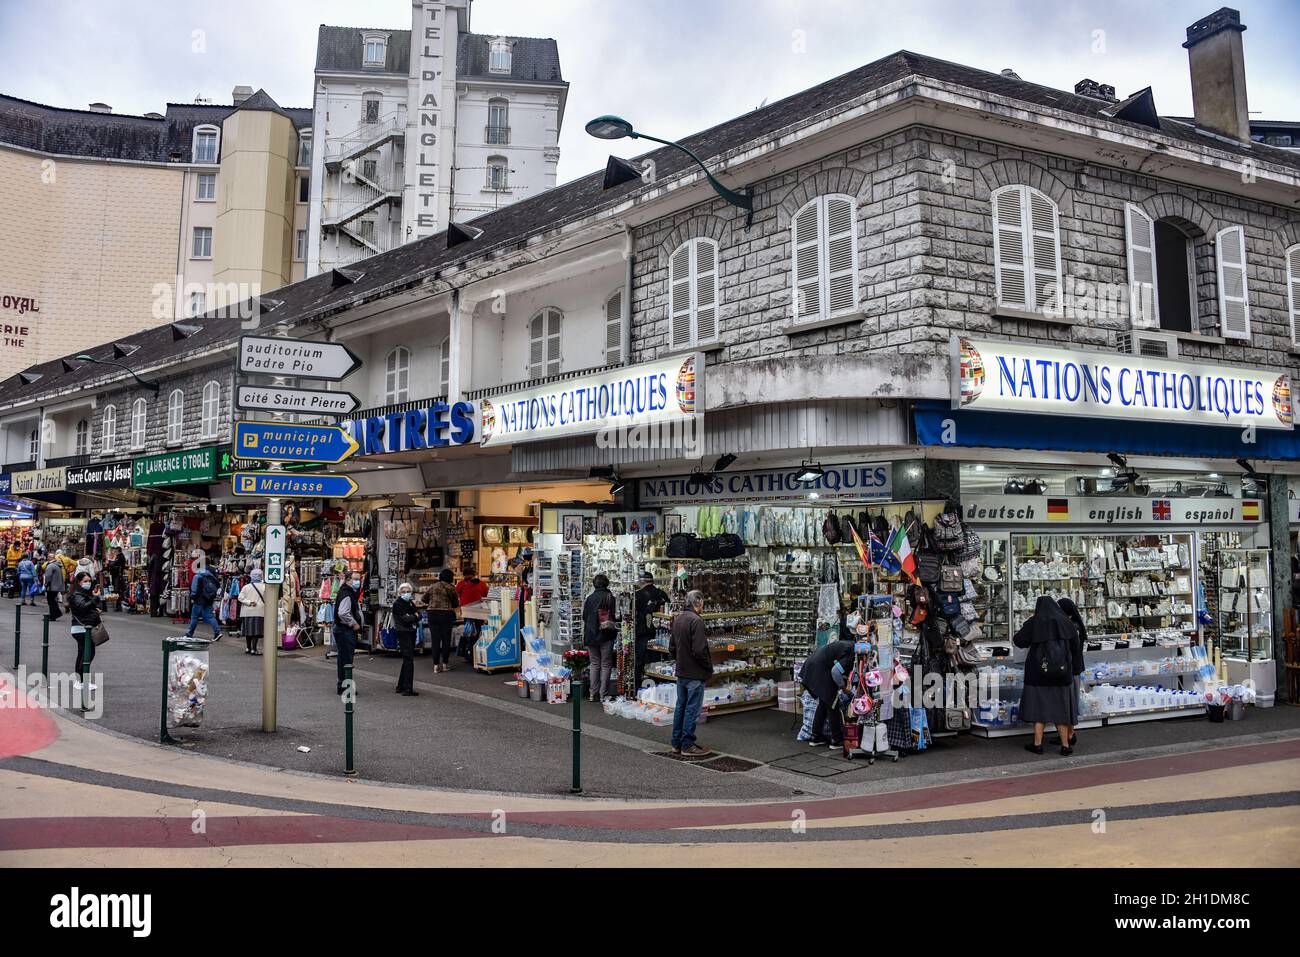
(900, 546)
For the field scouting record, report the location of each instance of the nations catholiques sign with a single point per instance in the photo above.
(1024, 377)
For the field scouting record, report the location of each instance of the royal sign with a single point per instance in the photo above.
(1023, 377)
(649, 395)
(435, 427)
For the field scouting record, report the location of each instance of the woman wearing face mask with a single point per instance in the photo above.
(84, 607)
(349, 619)
(441, 601)
(406, 617)
(252, 611)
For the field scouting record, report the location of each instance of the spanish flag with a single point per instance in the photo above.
(1250, 511)
(857, 543)
(1058, 509)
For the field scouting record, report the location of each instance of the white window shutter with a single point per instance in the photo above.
(1293, 291)
(444, 367)
(553, 363)
(705, 269)
(1010, 261)
(614, 329)
(1045, 252)
(807, 278)
(841, 257)
(1144, 300)
(536, 347)
(679, 307)
(1234, 304)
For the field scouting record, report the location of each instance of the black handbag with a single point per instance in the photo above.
(831, 529)
(729, 546)
(683, 545)
(708, 549)
(928, 567)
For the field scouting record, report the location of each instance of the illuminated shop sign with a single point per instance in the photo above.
(437, 426)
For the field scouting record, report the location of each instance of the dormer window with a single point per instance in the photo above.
(376, 49)
(205, 147)
(499, 56)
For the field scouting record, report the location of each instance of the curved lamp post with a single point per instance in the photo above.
(617, 128)
(151, 386)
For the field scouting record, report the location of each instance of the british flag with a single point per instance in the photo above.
(1161, 510)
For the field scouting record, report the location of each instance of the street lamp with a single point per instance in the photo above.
(151, 386)
(617, 128)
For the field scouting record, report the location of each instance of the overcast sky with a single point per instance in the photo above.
(670, 66)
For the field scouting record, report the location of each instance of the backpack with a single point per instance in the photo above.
(683, 545)
(1049, 662)
(881, 528)
(207, 590)
(948, 534)
(831, 529)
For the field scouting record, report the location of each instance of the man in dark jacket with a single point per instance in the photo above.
(349, 620)
(649, 600)
(825, 673)
(599, 629)
(689, 646)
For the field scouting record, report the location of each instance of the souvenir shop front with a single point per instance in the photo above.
(1136, 487)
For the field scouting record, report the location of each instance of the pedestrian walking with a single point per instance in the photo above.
(203, 594)
(26, 580)
(252, 611)
(406, 618)
(1049, 696)
(83, 605)
(689, 645)
(349, 619)
(441, 602)
(599, 629)
(55, 585)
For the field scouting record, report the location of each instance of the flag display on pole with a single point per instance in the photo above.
(862, 549)
(884, 557)
(901, 548)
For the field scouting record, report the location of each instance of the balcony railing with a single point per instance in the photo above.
(497, 135)
(19, 466)
(70, 461)
(490, 391)
(393, 409)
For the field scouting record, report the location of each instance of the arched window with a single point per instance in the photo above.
(1161, 271)
(375, 49)
(614, 329)
(544, 343)
(109, 441)
(499, 55)
(211, 411)
(498, 128)
(825, 243)
(83, 438)
(1027, 250)
(206, 145)
(693, 293)
(444, 367)
(397, 376)
(139, 419)
(175, 416)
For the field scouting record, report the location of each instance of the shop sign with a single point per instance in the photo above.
(190, 467)
(105, 475)
(631, 399)
(435, 427)
(41, 480)
(873, 482)
(1016, 510)
(6, 484)
(1024, 377)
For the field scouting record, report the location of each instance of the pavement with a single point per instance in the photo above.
(470, 732)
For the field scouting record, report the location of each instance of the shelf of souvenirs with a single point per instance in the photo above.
(1009, 730)
(664, 671)
(733, 643)
(712, 616)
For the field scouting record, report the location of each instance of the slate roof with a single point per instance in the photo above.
(510, 226)
(533, 59)
(52, 129)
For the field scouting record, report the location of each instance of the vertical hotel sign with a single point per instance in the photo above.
(428, 115)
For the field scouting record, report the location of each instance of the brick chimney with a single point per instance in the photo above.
(240, 93)
(1219, 74)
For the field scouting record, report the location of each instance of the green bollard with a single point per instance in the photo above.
(45, 647)
(18, 630)
(163, 736)
(575, 695)
(86, 646)
(349, 693)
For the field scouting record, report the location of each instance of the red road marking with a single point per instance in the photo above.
(23, 730)
(32, 833)
(946, 795)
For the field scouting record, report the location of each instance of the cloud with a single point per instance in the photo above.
(672, 66)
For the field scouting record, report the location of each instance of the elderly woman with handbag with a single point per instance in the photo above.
(84, 605)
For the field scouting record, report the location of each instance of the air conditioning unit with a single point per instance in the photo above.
(1155, 345)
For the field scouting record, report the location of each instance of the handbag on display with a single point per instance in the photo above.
(683, 545)
(831, 529)
(951, 579)
(947, 532)
(956, 719)
(729, 545)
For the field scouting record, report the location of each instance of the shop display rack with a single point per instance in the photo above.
(734, 636)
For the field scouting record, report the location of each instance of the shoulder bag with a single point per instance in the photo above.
(99, 634)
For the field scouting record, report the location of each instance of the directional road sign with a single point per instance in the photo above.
(275, 554)
(297, 357)
(285, 442)
(265, 398)
(291, 485)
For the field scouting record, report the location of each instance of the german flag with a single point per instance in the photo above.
(1250, 511)
(1058, 509)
